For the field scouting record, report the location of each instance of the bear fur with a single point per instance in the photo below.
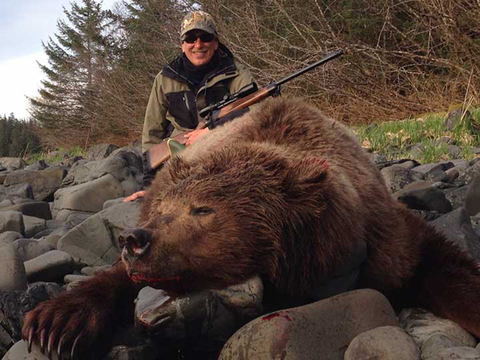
(283, 192)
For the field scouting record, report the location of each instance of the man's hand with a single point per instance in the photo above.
(134, 196)
(194, 135)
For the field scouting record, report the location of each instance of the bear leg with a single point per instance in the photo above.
(447, 282)
(82, 320)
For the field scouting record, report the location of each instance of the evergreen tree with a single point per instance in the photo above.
(150, 32)
(79, 55)
(17, 138)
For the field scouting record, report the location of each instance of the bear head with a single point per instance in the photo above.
(220, 220)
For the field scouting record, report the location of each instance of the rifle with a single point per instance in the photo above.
(245, 97)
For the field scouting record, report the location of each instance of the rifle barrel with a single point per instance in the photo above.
(327, 58)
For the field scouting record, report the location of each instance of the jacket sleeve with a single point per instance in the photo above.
(155, 124)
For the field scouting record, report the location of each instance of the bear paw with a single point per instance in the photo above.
(65, 324)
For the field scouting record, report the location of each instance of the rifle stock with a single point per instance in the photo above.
(160, 153)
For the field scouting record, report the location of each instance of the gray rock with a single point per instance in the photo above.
(460, 164)
(452, 175)
(454, 151)
(132, 155)
(33, 225)
(437, 175)
(397, 177)
(218, 314)
(14, 305)
(457, 117)
(112, 202)
(122, 216)
(408, 164)
(421, 325)
(472, 201)
(456, 196)
(5, 204)
(422, 195)
(76, 218)
(51, 266)
(12, 163)
(19, 351)
(39, 209)
(39, 165)
(11, 267)
(119, 164)
(385, 342)
(91, 242)
(321, 330)
(6, 341)
(100, 151)
(457, 227)
(3, 174)
(13, 192)
(11, 221)
(54, 236)
(71, 278)
(88, 197)
(148, 351)
(460, 353)
(445, 140)
(43, 182)
(435, 344)
(470, 173)
(8, 237)
(426, 215)
(29, 249)
(426, 169)
(94, 241)
(416, 150)
(379, 159)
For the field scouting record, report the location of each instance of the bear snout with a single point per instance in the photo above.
(135, 241)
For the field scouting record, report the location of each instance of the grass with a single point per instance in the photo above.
(57, 156)
(418, 139)
(423, 138)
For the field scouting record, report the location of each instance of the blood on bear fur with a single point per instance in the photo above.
(283, 192)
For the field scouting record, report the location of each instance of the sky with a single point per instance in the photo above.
(24, 24)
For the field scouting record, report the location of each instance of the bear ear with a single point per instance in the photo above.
(179, 168)
(308, 171)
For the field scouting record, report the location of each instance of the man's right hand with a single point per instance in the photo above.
(134, 196)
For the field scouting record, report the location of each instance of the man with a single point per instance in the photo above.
(202, 75)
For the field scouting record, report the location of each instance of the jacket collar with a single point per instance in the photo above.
(174, 70)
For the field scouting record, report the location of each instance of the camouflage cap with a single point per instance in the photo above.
(198, 20)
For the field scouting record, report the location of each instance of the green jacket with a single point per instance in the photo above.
(173, 105)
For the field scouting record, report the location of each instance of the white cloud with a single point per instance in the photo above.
(20, 78)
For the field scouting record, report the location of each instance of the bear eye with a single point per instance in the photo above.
(201, 211)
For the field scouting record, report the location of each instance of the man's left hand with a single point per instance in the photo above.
(192, 136)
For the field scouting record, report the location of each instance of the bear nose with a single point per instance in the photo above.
(135, 241)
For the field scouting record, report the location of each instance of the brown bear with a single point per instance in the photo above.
(283, 192)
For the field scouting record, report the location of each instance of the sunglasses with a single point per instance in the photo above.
(204, 38)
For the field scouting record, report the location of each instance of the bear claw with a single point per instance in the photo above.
(30, 340)
(50, 345)
(59, 347)
(72, 353)
(42, 341)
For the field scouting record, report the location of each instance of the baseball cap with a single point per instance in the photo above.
(198, 20)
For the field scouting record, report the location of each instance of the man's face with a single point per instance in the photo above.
(197, 51)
